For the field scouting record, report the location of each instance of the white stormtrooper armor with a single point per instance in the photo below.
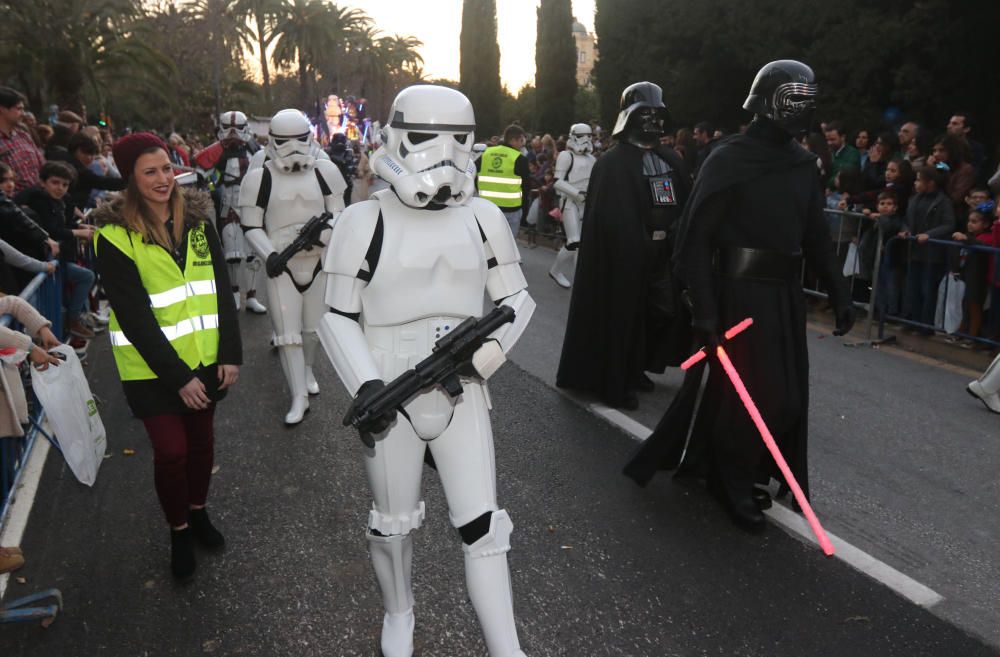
(572, 174)
(404, 269)
(987, 387)
(275, 201)
(225, 163)
(261, 156)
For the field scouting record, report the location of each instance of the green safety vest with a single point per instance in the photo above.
(497, 180)
(184, 304)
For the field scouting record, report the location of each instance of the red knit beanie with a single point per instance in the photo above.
(128, 149)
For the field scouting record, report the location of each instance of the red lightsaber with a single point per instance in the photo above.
(765, 433)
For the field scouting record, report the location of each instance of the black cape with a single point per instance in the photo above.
(758, 191)
(606, 343)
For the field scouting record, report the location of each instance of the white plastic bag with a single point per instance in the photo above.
(852, 263)
(532, 217)
(72, 413)
(951, 292)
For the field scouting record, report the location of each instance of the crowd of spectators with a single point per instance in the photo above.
(912, 182)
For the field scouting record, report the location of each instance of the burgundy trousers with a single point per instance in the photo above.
(183, 451)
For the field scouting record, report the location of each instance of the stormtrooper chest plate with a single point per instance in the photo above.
(579, 175)
(432, 264)
(295, 199)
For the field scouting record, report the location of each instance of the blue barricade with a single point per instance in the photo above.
(44, 292)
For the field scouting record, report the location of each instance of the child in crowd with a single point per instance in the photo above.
(847, 183)
(993, 278)
(47, 203)
(886, 223)
(975, 265)
(930, 215)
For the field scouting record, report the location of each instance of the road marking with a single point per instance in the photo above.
(20, 509)
(795, 524)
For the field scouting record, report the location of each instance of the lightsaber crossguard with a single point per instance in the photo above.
(765, 433)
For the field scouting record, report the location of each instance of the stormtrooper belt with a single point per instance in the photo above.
(758, 264)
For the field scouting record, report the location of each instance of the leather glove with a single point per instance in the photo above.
(706, 335)
(272, 266)
(845, 320)
(375, 424)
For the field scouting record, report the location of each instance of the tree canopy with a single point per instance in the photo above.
(555, 66)
(876, 62)
(479, 68)
(160, 64)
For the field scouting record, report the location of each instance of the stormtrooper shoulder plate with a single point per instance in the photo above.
(346, 259)
(331, 174)
(251, 216)
(352, 235)
(503, 258)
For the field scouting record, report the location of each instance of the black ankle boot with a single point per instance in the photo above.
(182, 562)
(208, 536)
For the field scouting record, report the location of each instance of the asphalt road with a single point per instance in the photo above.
(901, 466)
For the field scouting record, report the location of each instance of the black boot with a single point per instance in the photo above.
(182, 562)
(208, 536)
(742, 509)
(762, 497)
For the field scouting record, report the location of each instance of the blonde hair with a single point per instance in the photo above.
(139, 218)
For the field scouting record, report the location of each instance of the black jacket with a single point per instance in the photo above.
(52, 217)
(20, 231)
(130, 302)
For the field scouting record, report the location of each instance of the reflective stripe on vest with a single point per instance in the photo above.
(497, 180)
(184, 304)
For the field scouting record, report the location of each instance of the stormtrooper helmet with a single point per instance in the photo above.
(233, 125)
(426, 151)
(290, 143)
(579, 140)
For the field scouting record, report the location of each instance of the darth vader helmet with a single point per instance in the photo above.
(642, 116)
(785, 92)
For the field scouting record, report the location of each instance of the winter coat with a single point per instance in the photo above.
(14, 347)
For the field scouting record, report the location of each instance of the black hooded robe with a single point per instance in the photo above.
(607, 343)
(757, 191)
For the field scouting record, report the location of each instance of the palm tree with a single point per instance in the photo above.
(230, 36)
(309, 32)
(263, 16)
(90, 45)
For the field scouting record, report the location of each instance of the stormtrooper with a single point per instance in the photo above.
(987, 387)
(571, 177)
(276, 201)
(224, 164)
(404, 269)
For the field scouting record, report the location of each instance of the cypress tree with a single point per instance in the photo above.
(479, 67)
(555, 66)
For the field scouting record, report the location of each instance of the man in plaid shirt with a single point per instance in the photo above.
(17, 148)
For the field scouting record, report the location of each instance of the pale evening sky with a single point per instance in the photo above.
(438, 24)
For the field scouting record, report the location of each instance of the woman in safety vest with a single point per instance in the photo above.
(174, 331)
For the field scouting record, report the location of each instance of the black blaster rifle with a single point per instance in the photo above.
(307, 238)
(450, 356)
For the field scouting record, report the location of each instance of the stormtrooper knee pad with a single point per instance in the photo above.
(488, 580)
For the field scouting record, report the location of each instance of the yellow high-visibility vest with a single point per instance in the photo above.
(184, 304)
(497, 180)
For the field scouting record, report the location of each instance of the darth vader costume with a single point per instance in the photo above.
(755, 214)
(623, 311)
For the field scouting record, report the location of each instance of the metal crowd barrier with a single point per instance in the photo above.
(44, 292)
(847, 227)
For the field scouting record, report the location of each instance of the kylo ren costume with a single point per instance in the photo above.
(755, 214)
(623, 314)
